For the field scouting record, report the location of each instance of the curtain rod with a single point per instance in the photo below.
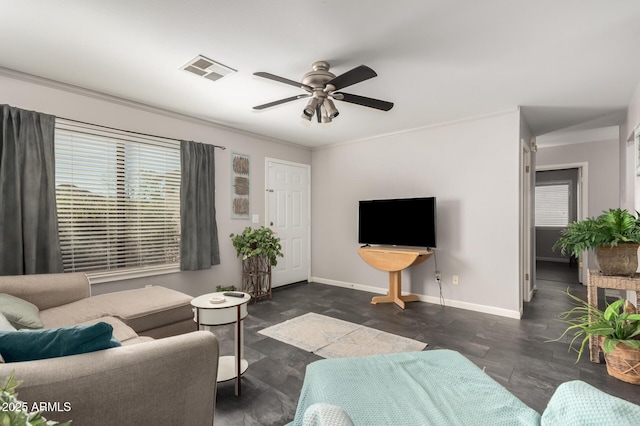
(131, 131)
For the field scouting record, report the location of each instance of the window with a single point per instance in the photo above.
(118, 198)
(552, 205)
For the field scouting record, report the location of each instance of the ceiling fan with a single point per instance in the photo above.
(321, 86)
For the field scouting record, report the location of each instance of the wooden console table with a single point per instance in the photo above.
(596, 280)
(393, 260)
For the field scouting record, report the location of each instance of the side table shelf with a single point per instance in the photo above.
(596, 280)
(232, 311)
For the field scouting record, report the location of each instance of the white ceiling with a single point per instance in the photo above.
(565, 62)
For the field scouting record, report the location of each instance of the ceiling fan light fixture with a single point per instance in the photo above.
(310, 109)
(330, 108)
(324, 116)
(321, 84)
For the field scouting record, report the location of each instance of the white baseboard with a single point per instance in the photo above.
(345, 284)
(424, 298)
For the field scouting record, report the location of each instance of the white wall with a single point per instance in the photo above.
(471, 166)
(633, 181)
(633, 121)
(633, 111)
(85, 106)
(603, 165)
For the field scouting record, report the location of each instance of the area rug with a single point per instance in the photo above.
(333, 338)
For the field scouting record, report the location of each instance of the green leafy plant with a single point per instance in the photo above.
(618, 323)
(17, 412)
(612, 227)
(220, 288)
(257, 242)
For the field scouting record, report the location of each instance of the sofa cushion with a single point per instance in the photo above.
(141, 339)
(121, 331)
(19, 312)
(47, 290)
(150, 307)
(141, 309)
(28, 345)
(578, 403)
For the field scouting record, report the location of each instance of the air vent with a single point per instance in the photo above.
(205, 67)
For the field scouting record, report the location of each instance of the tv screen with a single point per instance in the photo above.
(399, 222)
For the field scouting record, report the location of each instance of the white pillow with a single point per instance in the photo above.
(19, 312)
(321, 414)
(5, 325)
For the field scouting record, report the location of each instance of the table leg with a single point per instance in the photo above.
(592, 299)
(238, 353)
(395, 292)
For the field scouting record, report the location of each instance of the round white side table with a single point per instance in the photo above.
(232, 310)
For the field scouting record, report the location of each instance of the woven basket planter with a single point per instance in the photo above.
(619, 260)
(256, 277)
(623, 363)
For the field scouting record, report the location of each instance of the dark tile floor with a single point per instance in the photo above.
(514, 352)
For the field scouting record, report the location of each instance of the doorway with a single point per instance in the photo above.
(288, 214)
(560, 198)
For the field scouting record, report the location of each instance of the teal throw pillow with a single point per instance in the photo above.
(19, 312)
(29, 345)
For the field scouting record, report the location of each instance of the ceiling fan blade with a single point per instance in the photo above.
(283, 80)
(281, 101)
(361, 100)
(354, 76)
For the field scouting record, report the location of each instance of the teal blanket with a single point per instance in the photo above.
(436, 387)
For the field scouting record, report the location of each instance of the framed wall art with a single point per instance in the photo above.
(240, 185)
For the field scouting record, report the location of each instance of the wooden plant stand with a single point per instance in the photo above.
(394, 260)
(596, 280)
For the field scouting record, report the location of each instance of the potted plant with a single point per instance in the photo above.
(16, 412)
(617, 328)
(614, 236)
(259, 249)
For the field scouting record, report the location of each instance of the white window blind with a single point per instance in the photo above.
(552, 205)
(118, 197)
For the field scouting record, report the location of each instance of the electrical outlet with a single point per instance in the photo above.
(438, 276)
(454, 280)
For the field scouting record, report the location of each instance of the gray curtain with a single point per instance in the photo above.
(199, 240)
(29, 241)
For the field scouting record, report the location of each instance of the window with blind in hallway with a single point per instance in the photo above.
(118, 198)
(552, 205)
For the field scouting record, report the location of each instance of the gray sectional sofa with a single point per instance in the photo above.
(163, 374)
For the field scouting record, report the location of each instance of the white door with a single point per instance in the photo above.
(287, 186)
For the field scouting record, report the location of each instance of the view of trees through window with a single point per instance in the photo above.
(118, 199)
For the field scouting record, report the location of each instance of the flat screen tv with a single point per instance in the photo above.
(399, 222)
